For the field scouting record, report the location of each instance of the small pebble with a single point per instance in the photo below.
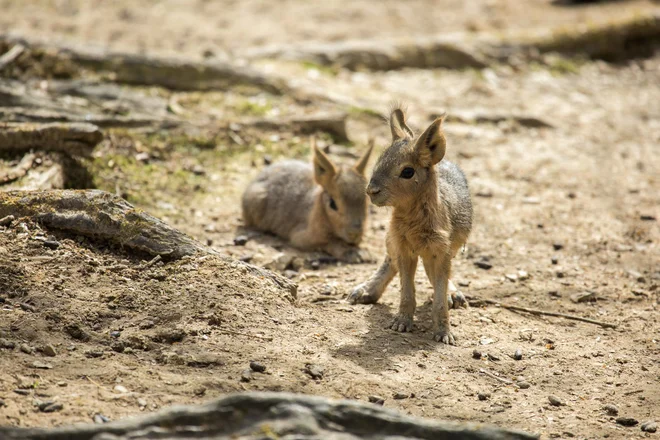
(555, 401)
(268, 159)
(476, 354)
(377, 400)
(523, 385)
(5, 221)
(315, 265)
(49, 350)
(240, 240)
(2, 403)
(400, 396)
(557, 246)
(626, 421)
(648, 218)
(256, 366)
(554, 260)
(483, 396)
(28, 307)
(49, 407)
(523, 275)
(100, 419)
(94, 353)
(518, 355)
(315, 371)
(115, 334)
(9, 345)
(611, 410)
(246, 376)
(62, 383)
(482, 264)
(41, 365)
(120, 389)
(649, 426)
(290, 274)
(51, 244)
(141, 402)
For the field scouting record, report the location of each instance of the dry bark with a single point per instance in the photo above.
(252, 416)
(101, 215)
(78, 139)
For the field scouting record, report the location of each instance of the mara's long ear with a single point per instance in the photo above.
(398, 125)
(361, 164)
(324, 169)
(431, 145)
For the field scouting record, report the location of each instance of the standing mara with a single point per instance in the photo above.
(431, 219)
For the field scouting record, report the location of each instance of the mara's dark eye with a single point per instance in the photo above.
(407, 173)
(333, 205)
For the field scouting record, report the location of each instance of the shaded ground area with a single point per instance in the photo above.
(563, 161)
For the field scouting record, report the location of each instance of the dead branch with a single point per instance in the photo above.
(446, 52)
(482, 116)
(19, 170)
(20, 114)
(475, 301)
(609, 41)
(8, 57)
(331, 123)
(77, 139)
(497, 378)
(250, 415)
(171, 73)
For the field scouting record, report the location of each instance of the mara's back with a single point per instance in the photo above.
(280, 198)
(455, 194)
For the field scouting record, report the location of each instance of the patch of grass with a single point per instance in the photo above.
(327, 70)
(364, 111)
(251, 108)
(563, 66)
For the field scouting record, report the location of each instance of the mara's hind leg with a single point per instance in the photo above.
(455, 297)
(371, 291)
(254, 204)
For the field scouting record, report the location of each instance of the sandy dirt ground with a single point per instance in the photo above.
(560, 212)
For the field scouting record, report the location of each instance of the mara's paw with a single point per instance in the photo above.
(457, 300)
(359, 295)
(357, 256)
(444, 336)
(402, 323)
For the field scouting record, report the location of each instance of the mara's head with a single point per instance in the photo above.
(344, 199)
(405, 168)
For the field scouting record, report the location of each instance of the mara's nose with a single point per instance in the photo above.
(372, 189)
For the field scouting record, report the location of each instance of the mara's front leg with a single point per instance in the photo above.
(438, 269)
(371, 291)
(404, 320)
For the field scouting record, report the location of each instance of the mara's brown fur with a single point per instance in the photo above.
(314, 206)
(432, 219)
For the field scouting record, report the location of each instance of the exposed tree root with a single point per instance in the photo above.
(77, 139)
(101, 215)
(253, 416)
